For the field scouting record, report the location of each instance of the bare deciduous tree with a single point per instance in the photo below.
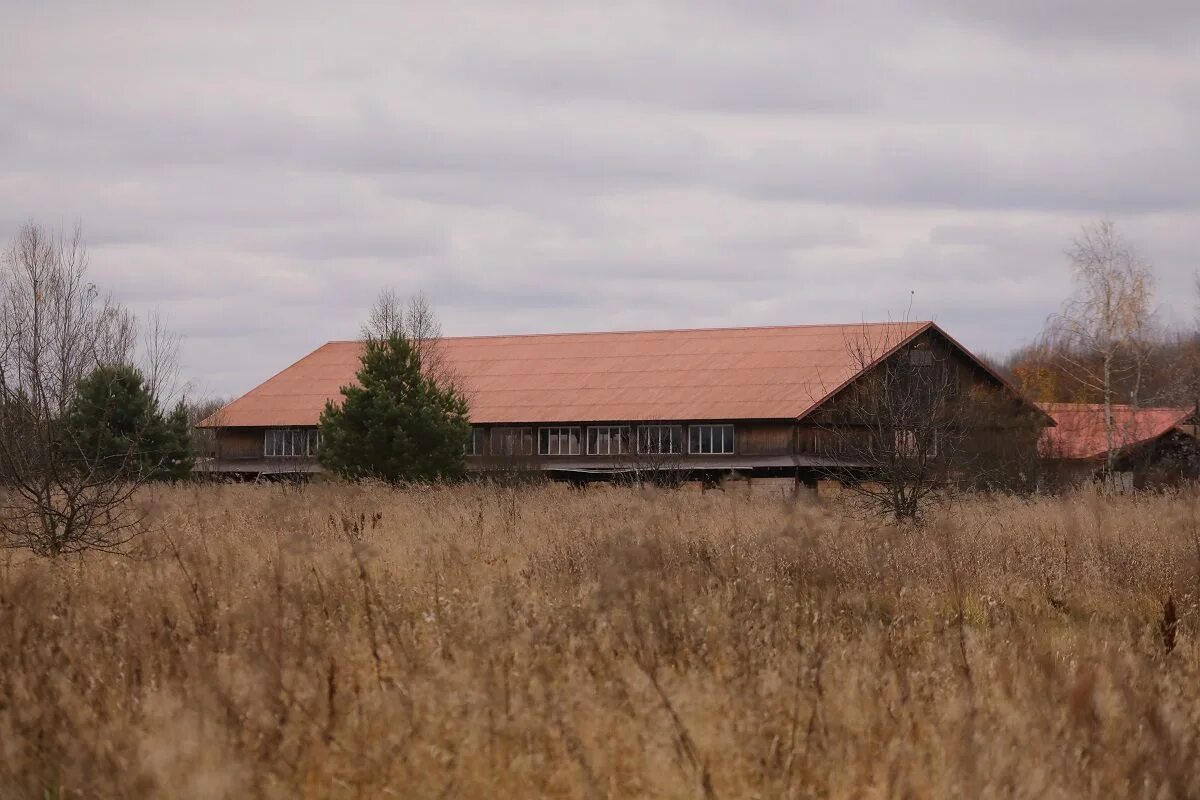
(160, 359)
(415, 320)
(895, 436)
(1102, 336)
(1182, 361)
(56, 496)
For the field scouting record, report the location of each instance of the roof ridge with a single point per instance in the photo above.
(914, 323)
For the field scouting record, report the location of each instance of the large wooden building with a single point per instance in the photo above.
(756, 401)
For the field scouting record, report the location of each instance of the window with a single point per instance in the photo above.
(291, 442)
(476, 442)
(920, 358)
(660, 439)
(908, 446)
(710, 439)
(512, 441)
(608, 440)
(558, 441)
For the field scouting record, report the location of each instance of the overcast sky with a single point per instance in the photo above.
(553, 166)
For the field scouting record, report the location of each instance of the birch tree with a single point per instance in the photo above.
(1102, 337)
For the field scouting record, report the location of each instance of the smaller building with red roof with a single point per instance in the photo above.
(1152, 446)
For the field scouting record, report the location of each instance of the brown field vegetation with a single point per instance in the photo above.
(336, 641)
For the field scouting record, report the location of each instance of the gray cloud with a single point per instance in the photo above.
(540, 166)
(1066, 22)
(959, 171)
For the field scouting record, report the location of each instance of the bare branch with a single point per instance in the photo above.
(160, 359)
(416, 320)
(59, 494)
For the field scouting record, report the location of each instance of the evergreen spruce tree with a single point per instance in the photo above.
(397, 424)
(114, 427)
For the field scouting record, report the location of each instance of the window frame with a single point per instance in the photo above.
(921, 358)
(501, 436)
(904, 441)
(676, 441)
(291, 442)
(477, 441)
(728, 433)
(556, 434)
(623, 437)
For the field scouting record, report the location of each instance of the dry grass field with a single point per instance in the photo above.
(337, 641)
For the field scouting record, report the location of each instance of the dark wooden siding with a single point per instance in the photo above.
(764, 438)
(829, 440)
(235, 443)
(966, 375)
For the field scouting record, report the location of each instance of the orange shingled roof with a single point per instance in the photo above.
(1079, 430)
(716, 373)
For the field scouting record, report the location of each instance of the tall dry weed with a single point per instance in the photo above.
(340, 641)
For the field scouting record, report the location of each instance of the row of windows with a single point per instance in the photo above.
(601, 440)
(291, 442)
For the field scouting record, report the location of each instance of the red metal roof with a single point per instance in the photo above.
(715, 373)
(1079, 430)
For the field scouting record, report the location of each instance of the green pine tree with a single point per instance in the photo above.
(398, 424)
(177, 456)
(114, 427)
